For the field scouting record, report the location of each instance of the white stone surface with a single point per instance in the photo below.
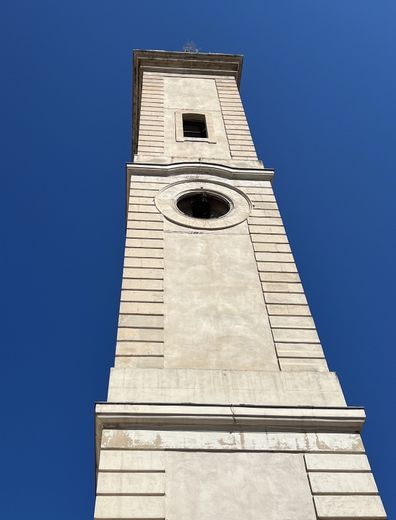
(231, 441)
(303, 364)
(141, 361)
(136, 348)
(235, 486)
(153, 309)
(272, 388)
(129, 507)
(131, 334)
(292, 322)
(134, 320)
(142, 296)
(334, 462)
(118, 460)
(288, 310)
(142, 285)
(212, 282)
(191, 94)
(295, 335)
(299, 350)
(286, 298)
(349, 507)
(123, 483)
(342, 483)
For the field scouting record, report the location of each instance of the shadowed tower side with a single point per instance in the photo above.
(220, 402)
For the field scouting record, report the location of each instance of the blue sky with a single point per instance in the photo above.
(319, 90)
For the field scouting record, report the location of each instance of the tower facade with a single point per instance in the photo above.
(220, 402)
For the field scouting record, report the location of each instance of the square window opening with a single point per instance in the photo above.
(194, 125)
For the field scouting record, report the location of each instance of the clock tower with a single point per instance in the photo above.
(220, 403)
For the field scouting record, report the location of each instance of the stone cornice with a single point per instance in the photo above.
(197, 170)
(200, 168)
(226, 418)
(253, 418)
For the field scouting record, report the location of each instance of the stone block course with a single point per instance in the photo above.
(270, 247)
(299, 350)
(150, 183)
(141, 273)
(139, 334)
(281, 286)
(143, 262)
(142, 208)
(295, 335)
(335, 462)
(303, 364)
(288, 310)
(142, 285)
(139, 348)
(324, 483)
(140, 361)
(144, 243)
(141, 200)
(349, 507)
(143, 233)
(277, 238)
(151, 309)
(122, 483)
(151, 217)
(274, 257)
(270, 218)
(135, 320)
(277, 267)
(226, 441)
(142, 296)
(119, 460)
(150, 139)
(265, 205)
(292, 322)
(129, 507)
(266, 276)
(221, 386)
(266, 230)
(285, 298)
(141, 252)
(254, 197)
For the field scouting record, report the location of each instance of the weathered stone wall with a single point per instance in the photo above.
(239, 261)
(165, 97)
(234, 474)
(220, 403)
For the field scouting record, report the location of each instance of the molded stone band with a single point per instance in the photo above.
(200, 168)
(342, 419)
(296, 421)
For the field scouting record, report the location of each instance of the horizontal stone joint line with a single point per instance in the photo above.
(131, 470)
(139, 328)
(345, 494)
(339, 471)
(154, 313)
(130, 495)
(141, 355)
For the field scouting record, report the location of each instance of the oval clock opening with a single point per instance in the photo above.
(203, 205)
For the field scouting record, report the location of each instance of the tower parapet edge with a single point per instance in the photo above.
(220, 402)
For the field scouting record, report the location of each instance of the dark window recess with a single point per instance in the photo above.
(194, 125)
(203, 205)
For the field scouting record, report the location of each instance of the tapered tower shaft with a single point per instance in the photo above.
(220, 403)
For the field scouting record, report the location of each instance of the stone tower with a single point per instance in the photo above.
(221, 405)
